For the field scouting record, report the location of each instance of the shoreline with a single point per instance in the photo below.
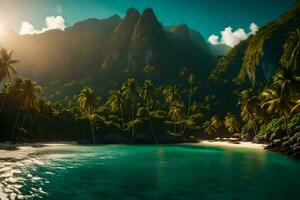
(248, 145)
(8, 146)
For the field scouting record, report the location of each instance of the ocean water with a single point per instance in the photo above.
(145, 172)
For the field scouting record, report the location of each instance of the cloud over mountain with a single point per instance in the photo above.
(232, 37)
(51, 23)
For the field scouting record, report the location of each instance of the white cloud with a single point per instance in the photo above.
(27, 28)
(254, 28)
(232, 37)
(213, 39)
(51, 22)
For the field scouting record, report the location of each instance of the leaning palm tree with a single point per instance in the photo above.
(6, 68)
(216, 123)
(288, 80)
(231, 123)
(148, 91)
(131, 90)
(291, 53)
(208, 128)
(117, 103)
(278, 102)
(248, 116)
(27, 99)
(176, 113)
(87, 103)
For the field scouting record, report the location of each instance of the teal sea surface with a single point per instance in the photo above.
(154, 172)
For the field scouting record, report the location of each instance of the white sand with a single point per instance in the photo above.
(23, 150)
(228, 144)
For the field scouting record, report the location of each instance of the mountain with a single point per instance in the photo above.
(256, 59)
(107, 51)
(252, 62)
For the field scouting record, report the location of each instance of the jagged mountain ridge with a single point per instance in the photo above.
(113, 43)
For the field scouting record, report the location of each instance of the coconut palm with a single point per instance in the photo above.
(148, 91)
(87, 103)
(6, 68)
(231, 123)
(288, 80)
(176, 113)
(278, 102)
(131, 90)
(208, 127)
(171, 94)
(191, 91)
(216, 123)
(117, 103)
(27, 99)
(250, 107)
(291, 52)
(248, 116)
(6, 64)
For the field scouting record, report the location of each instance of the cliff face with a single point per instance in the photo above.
(257, 58)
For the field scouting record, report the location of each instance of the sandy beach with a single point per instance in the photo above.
(249, 145)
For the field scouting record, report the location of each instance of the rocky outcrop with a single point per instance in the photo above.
(287, 145)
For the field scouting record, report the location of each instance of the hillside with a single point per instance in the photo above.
(256, 59)
(107, 51)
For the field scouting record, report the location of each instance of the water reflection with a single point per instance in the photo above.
(16, 180)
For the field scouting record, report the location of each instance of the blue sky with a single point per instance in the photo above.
(207, 16)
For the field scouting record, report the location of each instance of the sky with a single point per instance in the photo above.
(226, 21)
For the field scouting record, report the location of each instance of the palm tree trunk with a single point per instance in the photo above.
(150, 124)
(122, 118)
(132, 118)
(254, 127)
(21, 126)
(93, 132)
(2, 103)
(2, 99)
(188, 110)
(286, 125)
(16, 123)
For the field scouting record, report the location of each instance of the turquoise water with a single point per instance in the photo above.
(148, 172)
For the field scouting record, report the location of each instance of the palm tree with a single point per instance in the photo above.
(191, 91)
(248, 116)
(87, 103)
(277, 101)
(171, 94)
(27, 99)
(231, 123)
(208, 127)
(288, 80)
(131, 91)
(117, 103)
(291, 52)
(176, 113)
(6, 68)
(250, 107)
(148, 91)
(217, 123)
